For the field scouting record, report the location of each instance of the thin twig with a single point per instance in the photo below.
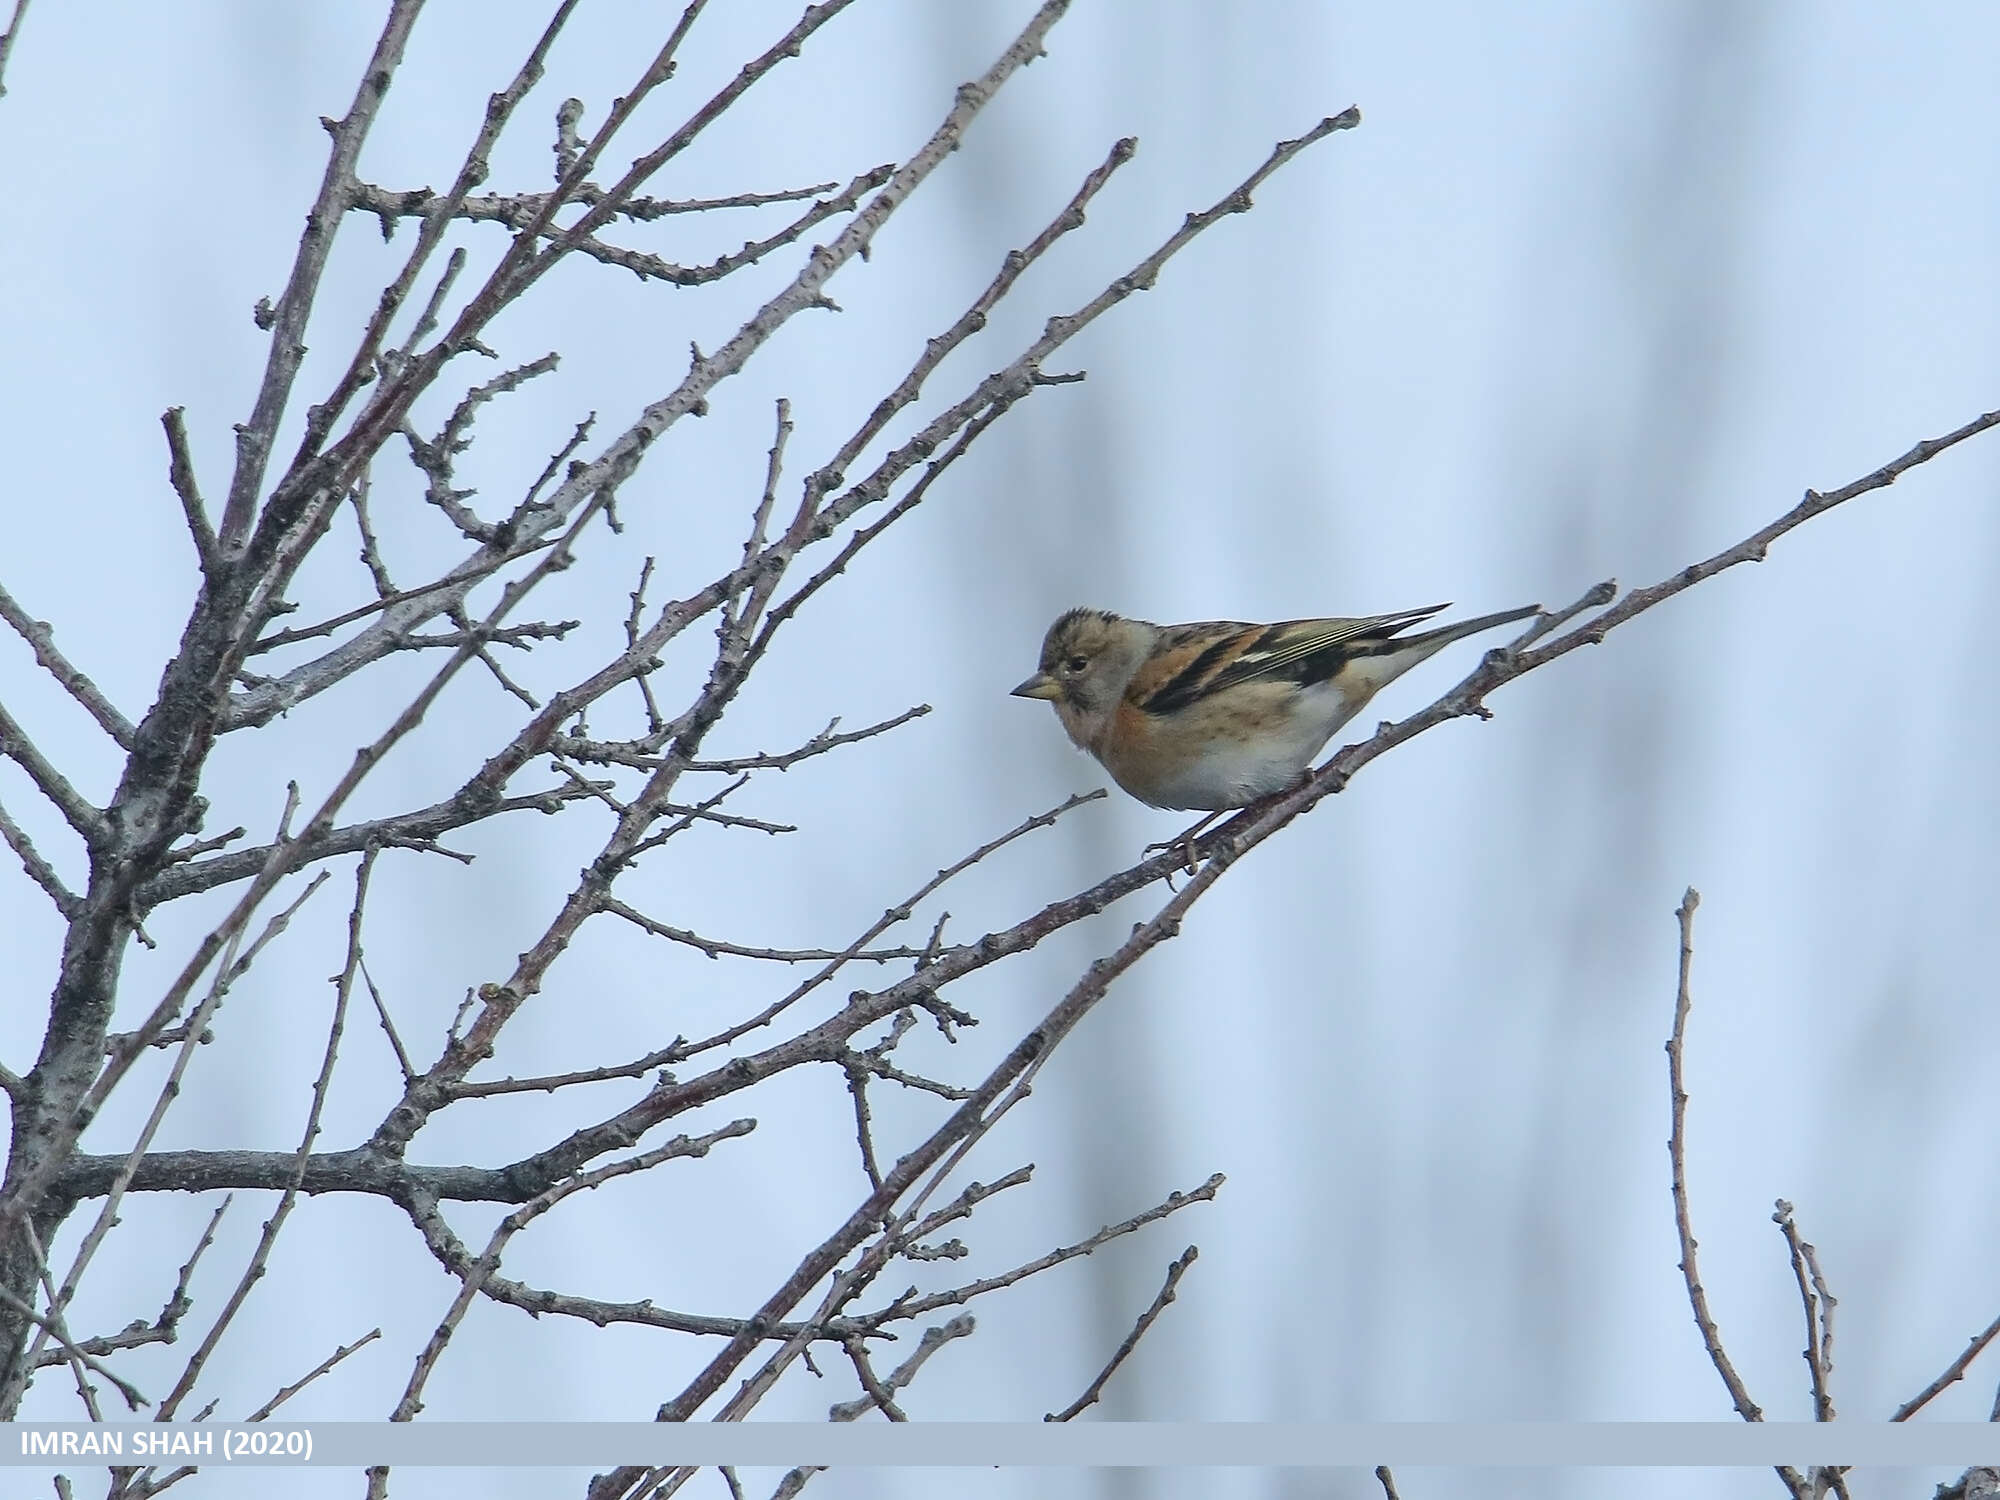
(515, 209)
(393, 397)
(880, 1067)
(388, 1026)
(1711, 1335)
(819, 744)
(970, 322)
(916, 1307)
(227, 969)
(883, 1397)
(654, 723)
(1818, 1304)
(7, 48)
(888, 919)
(489, 1261)
(418, 829)
(165, 1328)
(933, 1340)
(40, 636)
(637, 1068)
(80, 815)
(180, 474)
(857, 1085)
(39, 869)
(230, 968)
(374, 606)
(538, 1301)
(287, 319)
(518, 211)
(181, 853)
(1953, 1372)
(427, 320)
(178, 1303)
(522, 265)
(51, 1325)
(371, 547)
(1147, 1318)
(968, 1199)
(736, 628)
(54, 1327)
(717, 948)
(287, 1392)
(253, 1270)
(1819, 1315)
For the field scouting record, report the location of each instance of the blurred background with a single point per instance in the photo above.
(1593, 291)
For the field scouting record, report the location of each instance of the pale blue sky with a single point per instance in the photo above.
(1593, 291)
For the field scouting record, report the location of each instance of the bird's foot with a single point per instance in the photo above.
(1184, 841)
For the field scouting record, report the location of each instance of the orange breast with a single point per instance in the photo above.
(1132, 751)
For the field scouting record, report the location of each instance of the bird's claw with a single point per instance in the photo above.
(1184, 841)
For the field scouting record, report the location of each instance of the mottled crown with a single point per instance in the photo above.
(1079, 632)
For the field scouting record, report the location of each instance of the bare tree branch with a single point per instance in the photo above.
(253, 1271)
(877, 1395)
(69, 1353)
(1818, 1303)
(908, 1306)
(596, 751)
(411, 830)
(165, 1328)
(716, 948)
(1095, 1390)
(39, 870)
(281, 534)
(900, 1378)
(286, 1393)
(679, 1147)
(180, 474)
(287, 321)
(1953, 1373)
(1711, 1335)
(7, 39)
(1818, 1310)
(518, 211)
(622, 456)
(78, 813)
(888, 919)
(41, 637)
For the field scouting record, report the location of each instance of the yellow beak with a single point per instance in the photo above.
(1041, 685)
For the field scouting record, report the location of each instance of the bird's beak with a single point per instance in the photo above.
(1041, 685)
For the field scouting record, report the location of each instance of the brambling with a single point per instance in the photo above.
(1219, 714)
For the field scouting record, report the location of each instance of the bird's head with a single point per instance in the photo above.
(1088, 657)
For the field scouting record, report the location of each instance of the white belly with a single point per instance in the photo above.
(1236, 772)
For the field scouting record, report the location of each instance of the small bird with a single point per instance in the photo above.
(1219, 714)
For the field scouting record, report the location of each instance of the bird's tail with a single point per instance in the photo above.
(1444, 635)
(1381, 662)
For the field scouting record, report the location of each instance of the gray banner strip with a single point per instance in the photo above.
(1011, 1444)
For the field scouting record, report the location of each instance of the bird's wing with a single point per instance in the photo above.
(1191, 662)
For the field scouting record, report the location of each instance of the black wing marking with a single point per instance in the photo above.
(1311, 651)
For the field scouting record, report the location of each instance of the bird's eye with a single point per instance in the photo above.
(1077, 663)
